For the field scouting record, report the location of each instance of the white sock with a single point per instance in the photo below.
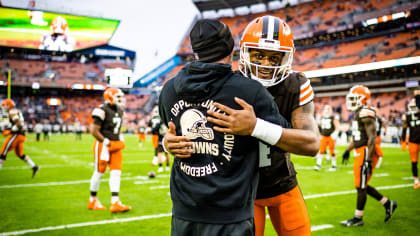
(91, 198)
(379, 162)
(416, 180)
(358, 214)
(327, 157)
(319, 160)
(334, 161)
(114, 199)
(29, 161)
(114, 181)
(95, 181)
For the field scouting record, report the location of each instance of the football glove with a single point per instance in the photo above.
(403, 146)
(367, 167)
(15, 128)
(346, 157)
(6, 132)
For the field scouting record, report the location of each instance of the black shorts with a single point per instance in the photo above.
(187, 228)
(160, 148)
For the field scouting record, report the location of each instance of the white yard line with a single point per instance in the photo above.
(407, 178)
(144, 178)
(158, 187)
(354, 191)
(49, 228)
(321, 227)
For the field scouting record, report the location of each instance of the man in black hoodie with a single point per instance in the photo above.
(213, 192)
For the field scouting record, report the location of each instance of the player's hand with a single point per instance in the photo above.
(367, 166)
(403, 146)
(179, 146)
(239, 122)
(6, 132)
(346, 157)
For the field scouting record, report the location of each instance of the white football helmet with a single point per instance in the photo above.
(327, 111)
(412, 106)
(193, 125)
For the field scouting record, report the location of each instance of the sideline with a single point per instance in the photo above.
(313, 228)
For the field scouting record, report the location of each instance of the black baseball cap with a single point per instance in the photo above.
(211, 40)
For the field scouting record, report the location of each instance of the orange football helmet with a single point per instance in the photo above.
(114, 96)
(267, 33)
(327, 111)
(357, 97)
(412, 106)
(59, 25)
(7, 105)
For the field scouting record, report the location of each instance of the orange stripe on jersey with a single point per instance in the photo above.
(367, 113)
(306, 96)
(302, 91)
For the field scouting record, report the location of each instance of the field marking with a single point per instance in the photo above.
(49, 228)
(158, 187)
(144, 178)
(313, 228)
(381, 175)
(354, 191)
(321, 227)
(405, 178)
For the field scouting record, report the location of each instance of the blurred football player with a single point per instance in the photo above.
(58, 39)
(141, 132)
(153, 123)
(266, 55)
(412, 123)
(160, 129)
(107, 148)
(364, 141)
(380, 125)
(329, 128)
(15, 136)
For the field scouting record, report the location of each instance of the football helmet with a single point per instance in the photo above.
(327, 111)
(193, 125)
(155, 112)
(357, 97)
(59, 25)
(114, 96)
(412, 106)
(7, 105)
(272, 34)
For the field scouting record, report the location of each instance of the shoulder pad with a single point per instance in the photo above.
(98, 112)
(306, 94)
(367, 112)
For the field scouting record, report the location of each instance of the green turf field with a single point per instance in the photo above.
(54, 202)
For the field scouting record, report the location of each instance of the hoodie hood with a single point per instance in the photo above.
(198, 81)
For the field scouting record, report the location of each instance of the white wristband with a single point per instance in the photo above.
(267, 132)
(163, 145)
(106, 141)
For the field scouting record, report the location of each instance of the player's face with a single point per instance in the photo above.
(264, 58)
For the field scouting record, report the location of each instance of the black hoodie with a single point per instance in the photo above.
(217, 184)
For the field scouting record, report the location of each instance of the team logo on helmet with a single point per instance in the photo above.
(193, 125)
(412, 107)
(114, 96)
(357, 97)
(7, 105)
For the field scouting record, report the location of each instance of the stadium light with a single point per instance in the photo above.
(362, 67)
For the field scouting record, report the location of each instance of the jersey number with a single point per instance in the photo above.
(326, 124)
(264, 152)
(117, 124)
